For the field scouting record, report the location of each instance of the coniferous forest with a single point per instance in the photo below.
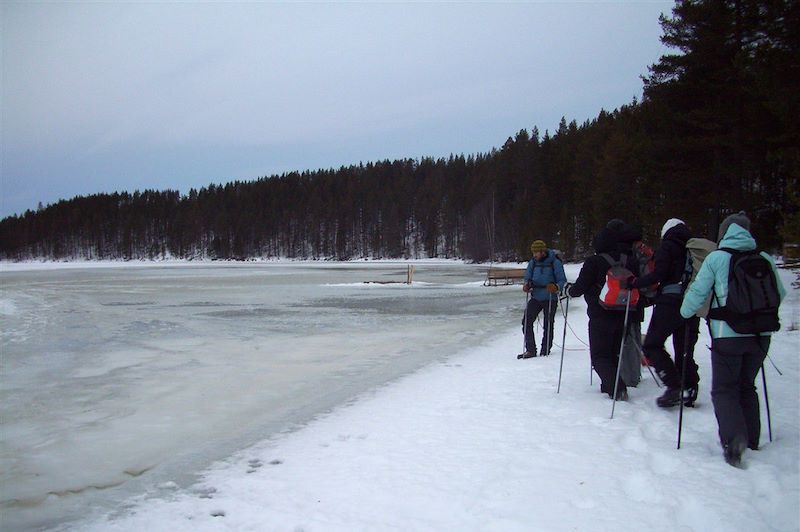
(716, 131)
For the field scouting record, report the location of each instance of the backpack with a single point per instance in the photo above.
(647, 264)
(753, 296)
(612, 295)
(697, 249)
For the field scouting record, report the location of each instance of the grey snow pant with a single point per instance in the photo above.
(631, 370)
(735, 363)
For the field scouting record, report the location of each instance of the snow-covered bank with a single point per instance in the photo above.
(481, 441)
(109, 373)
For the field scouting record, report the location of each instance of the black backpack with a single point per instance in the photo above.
(753, 296)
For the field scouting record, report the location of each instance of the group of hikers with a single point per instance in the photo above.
(624, 276)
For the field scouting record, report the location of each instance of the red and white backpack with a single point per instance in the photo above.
(612, 295)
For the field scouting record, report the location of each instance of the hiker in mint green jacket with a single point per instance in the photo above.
(735, 358)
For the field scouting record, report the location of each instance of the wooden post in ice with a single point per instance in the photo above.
(410, 274)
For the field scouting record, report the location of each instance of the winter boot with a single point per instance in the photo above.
(526, 354)
(690, 396)
(733, 452)
(670, 398)
(622, 394)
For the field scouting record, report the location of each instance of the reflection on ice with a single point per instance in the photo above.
(136, 377)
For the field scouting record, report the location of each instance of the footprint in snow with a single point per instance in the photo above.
(205, 493)
(255, 465)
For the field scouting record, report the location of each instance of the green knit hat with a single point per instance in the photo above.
(538, 246)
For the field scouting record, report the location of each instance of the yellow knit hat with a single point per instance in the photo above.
(538, 246)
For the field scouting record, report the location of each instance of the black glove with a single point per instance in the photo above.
(566, 288)
(629, 282)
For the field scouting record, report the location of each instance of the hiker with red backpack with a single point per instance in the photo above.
(745, 291)
(671, 275)
(606, 325)
(544, 279)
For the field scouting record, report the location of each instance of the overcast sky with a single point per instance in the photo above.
(103, 97)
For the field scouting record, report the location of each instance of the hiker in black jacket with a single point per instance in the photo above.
(670, 273)
(605, 326)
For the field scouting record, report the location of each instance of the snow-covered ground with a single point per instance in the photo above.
(477, 440)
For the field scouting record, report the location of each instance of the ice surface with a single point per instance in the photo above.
(117, 377)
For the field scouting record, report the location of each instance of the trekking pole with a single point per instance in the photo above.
(563, 343)
(644, 359)
(766, 399)
(549, 324)
(774, 366)
(683, 378)
(619, 360)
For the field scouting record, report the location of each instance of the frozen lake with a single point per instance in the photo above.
(118, 379)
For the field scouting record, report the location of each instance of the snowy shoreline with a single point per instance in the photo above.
(481, 441)
(473, 440)
(110, 372)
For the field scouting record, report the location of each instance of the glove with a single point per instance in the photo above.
(566, 288)
(526, 287)
(552, 288)
(628, 283)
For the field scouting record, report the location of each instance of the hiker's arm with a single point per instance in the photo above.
(699, 289)
(586, 278)
(561, 277)
(662, 261)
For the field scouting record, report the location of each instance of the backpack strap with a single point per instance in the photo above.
(613, 262)
(735, 252)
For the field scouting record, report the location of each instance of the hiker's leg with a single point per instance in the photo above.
(752, 362)
(684, 349)
(534, 307)
(726, 365)
(603, 337)
(662, 325)
(549, 318)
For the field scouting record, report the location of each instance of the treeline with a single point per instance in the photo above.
(715, 132)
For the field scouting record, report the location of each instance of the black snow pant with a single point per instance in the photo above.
(548, 309)
(665, 322)
(735, 363)
(605, 337)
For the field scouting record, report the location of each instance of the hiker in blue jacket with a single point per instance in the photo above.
(735, 358)
(544, 279)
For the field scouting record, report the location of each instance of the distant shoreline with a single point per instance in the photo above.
(13, 266)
